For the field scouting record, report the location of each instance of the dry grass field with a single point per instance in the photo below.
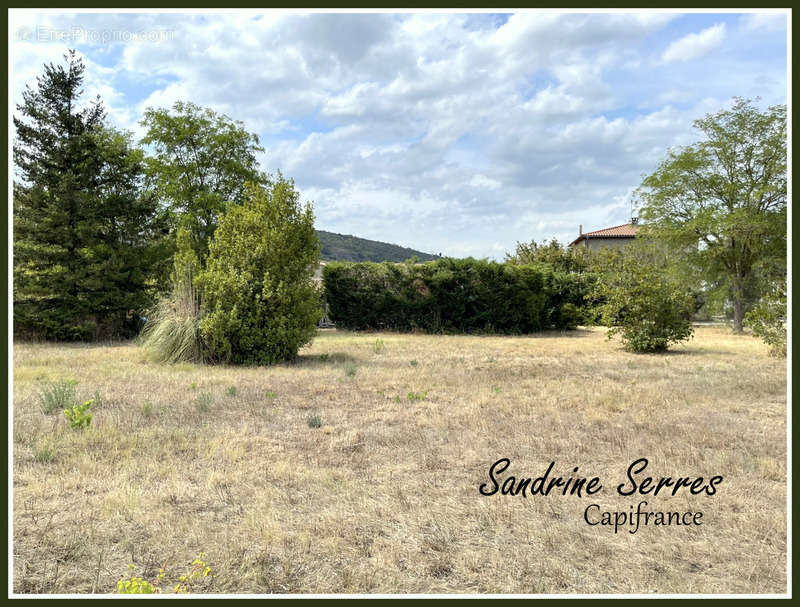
(357, 468)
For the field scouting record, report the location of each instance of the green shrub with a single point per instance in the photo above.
(261, 304)
(645, 305)
(314, 421)
(57, 396)
(768, 320)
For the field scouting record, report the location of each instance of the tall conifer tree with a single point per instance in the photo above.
(86, 240)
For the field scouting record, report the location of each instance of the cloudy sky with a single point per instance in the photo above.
(452, 133)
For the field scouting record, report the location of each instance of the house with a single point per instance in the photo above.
(616, 236)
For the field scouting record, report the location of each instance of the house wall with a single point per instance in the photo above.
(599, 243)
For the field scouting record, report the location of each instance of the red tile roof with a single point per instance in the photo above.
(626, 230)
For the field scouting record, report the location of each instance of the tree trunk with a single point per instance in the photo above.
(738, 315)
(737, 294)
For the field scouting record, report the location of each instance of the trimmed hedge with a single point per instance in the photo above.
(453, 296)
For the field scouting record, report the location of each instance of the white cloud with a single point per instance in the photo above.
(695, 46)
(444, 132)
(765, 21)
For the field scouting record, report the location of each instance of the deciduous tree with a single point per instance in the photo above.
(723, 200)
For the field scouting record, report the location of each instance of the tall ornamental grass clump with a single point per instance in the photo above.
(171, 333)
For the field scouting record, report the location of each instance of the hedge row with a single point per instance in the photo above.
(453, 296)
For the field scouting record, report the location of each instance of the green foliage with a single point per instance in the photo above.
(378, 347)
(135, 585)
(231, 391)
(559, 257)
(197, 579)
(449, 296)
(412, 396)
(644, 304)
(722, 201)
(57, 395)
(201, 164)
(88, 243)
(339, 247)
(768, 320)
(314, 420)
(350, 370)
(270, 394)
(78, 416)
(260, 300)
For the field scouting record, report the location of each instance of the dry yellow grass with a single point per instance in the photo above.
(384, 496)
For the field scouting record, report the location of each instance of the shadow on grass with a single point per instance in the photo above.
(327, 358)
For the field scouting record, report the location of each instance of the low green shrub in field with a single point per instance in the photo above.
(646, 306)
(58, 395)
(314, 420)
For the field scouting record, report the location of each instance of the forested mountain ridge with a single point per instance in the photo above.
(340, 247)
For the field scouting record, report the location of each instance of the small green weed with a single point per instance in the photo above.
(378, 347)
(350, 370)
(196, 580)
(58, 395)
(44, 452)
(314, 420)
(231, 391)
(78, 416)
(418, 395)
(203, 402)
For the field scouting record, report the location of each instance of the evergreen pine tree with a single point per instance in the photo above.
(86, 241)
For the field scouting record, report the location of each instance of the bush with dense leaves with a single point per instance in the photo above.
(768, 320)
(452, 296)
(646, 306)
(260, 304)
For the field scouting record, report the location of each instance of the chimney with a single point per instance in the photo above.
(580, 229)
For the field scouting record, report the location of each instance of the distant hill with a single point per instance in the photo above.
(338, 247)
